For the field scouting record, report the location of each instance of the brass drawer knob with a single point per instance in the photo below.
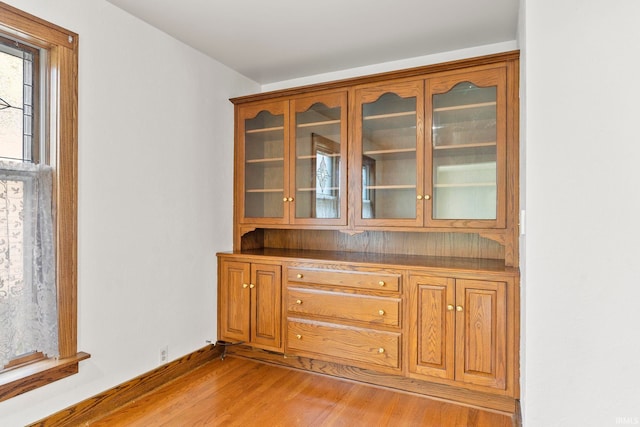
(459, 308)
(251, 286)
(298, 301)
(419, 197)
(381, 283)
(290, 199)
(381, 312)
(299, 276)
(381, 350)
(284, 199)
(427, 197)
(299, 336)
(450, 307)
(244, 285)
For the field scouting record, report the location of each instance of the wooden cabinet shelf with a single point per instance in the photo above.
(265, 190)
(265, 130)
(390, 187)
(465, 146)
(325, 123)
(390, 115)
(465, 107)
(268, 160)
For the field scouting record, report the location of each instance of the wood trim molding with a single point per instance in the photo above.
(101, 404)
(374, 78)
(61, 115)
(476, 399)
(30, 376)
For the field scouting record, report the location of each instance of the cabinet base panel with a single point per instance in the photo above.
(503, 404)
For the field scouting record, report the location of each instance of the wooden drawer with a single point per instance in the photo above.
(350, 307)
(361, 347)
(369, 280)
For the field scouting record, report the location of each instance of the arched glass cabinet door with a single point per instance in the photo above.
(389, 147)
(262, 165)
(467, 156)
(319, 159)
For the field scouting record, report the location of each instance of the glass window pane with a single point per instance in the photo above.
(11, 105)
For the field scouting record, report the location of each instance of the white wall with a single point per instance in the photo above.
(582, 279)
(155, 198)
(159, 111)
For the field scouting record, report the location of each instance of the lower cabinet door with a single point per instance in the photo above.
(481, 333)
(234, 301)
(250, 304)
(360, 347)
(458, 330)
(266, 297)
(432, 331)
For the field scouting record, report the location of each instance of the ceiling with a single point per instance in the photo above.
(277, 40)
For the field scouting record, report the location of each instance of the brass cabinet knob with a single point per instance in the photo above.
(427, 197)
(450, 307)
(381, 312)
(419, 197)
(299, 336)
(244, 285)
(381, 283)
(284, 199)
(290, 199)
(251, 286)
(298, 301)
(381, 350)
(299, 276)
(459, 308)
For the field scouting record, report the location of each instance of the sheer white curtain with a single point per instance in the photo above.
(28, 303)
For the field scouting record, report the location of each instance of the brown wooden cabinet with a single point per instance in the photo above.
(389, 203)
(249, 300)
(291, 161)
(389, 147)
(262, 164)
(432, 161)
(459, 330)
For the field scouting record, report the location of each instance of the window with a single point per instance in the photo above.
(38, 134)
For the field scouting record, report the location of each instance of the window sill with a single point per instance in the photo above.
(37, 374)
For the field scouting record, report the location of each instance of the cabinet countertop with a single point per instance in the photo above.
(474, 265)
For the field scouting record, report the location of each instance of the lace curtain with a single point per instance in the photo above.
(28, 303)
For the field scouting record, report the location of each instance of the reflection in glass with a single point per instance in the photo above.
(264, 166)
(389, 157)
(318, 162)
(464, 153)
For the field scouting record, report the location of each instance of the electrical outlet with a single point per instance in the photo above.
(164, 354)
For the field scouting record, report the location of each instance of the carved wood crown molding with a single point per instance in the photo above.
(494, 59)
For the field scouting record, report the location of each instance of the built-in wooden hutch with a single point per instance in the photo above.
(376, 230)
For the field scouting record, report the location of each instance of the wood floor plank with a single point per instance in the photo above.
(241, 392)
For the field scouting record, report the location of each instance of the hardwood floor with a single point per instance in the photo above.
(241, 392)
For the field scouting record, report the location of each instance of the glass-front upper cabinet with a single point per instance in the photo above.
(318, 157)
(262, 164)
(389, 148)
(466, 127)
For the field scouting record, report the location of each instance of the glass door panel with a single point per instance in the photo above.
(389, 157)
(465, 141)
(318, 162)
(264, 166)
